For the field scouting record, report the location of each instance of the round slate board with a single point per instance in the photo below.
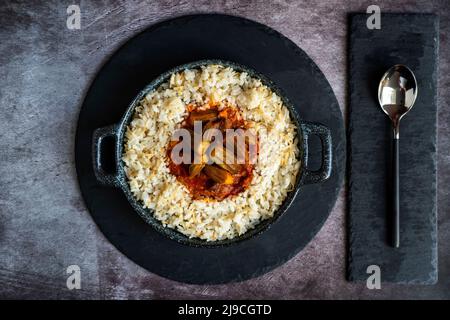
(175, 42)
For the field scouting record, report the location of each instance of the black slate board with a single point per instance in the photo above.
(410, 39)
(175, 42)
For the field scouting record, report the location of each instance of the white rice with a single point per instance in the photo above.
(160, 113)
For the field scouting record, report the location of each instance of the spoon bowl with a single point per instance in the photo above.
(397, 93)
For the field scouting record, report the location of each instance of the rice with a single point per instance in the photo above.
(160, 113)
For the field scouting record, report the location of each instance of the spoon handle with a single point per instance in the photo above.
(395, 196)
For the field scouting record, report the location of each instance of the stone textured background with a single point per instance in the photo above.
(46, 70)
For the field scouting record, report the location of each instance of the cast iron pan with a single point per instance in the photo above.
(117, 178)
(176, 42)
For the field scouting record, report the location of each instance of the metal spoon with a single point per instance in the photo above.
(397, 93)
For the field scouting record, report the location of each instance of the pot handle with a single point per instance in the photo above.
(110, 179)
(324, 134)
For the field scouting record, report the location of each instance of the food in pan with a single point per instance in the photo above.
(217, 174)
(222, 191)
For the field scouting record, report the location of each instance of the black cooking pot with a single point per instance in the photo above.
(119, 179)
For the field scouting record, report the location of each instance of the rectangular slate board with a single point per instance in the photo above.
(410, 39)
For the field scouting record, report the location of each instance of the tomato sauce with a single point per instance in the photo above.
(202, 186)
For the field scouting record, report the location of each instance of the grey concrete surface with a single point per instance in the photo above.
(46, 70)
